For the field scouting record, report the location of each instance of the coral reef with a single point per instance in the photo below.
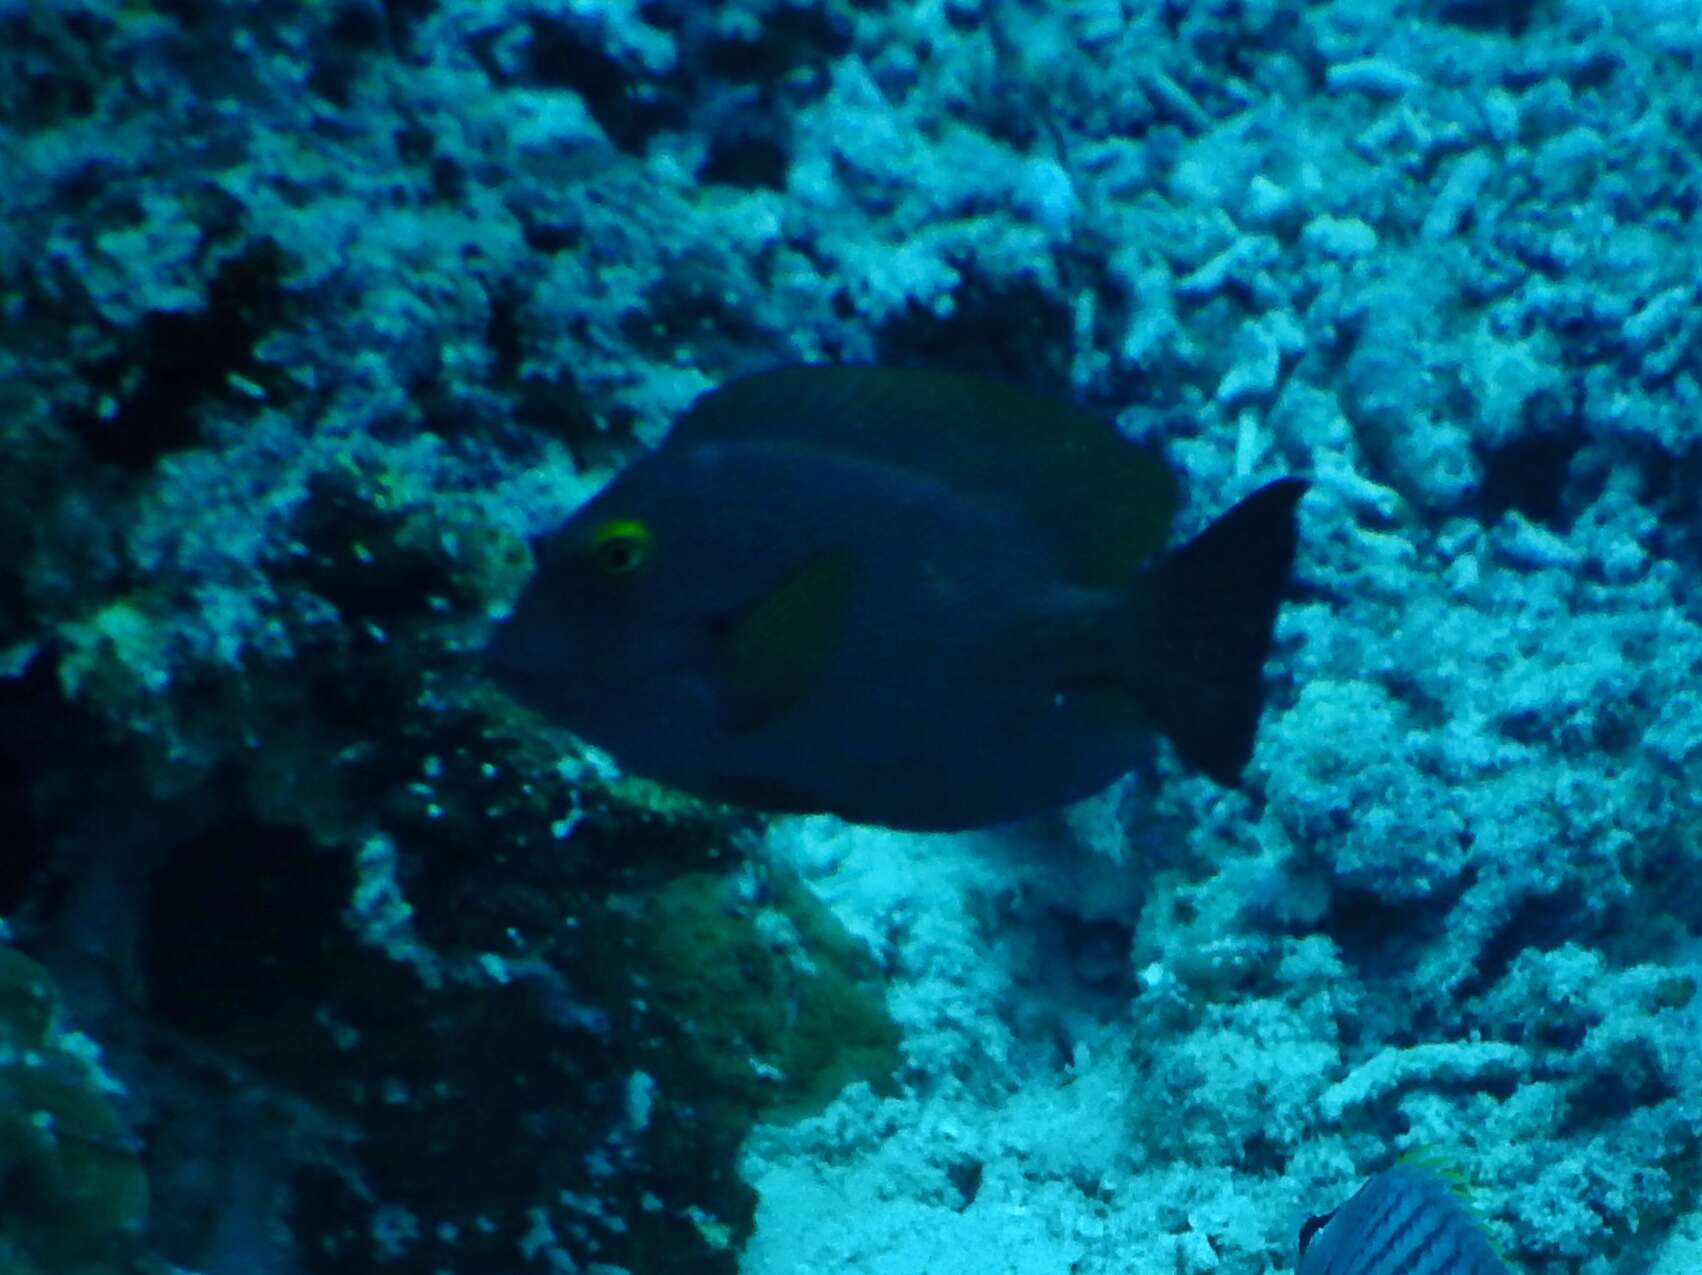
(76, 1190)
(310, 315)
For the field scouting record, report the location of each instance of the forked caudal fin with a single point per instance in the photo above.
(1210, 608)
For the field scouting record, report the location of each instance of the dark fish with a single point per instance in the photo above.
(909, 598)
(1409, 1220)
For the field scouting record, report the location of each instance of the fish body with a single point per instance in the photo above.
(908, 598)
(1409, 1220)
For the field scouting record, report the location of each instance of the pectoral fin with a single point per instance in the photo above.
(771, 652)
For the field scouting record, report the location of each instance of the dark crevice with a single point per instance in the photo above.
(1380, 936)
(1541, 922)
(1529, 474)
(630, 110)
(181, 360)
(1011, 332)
(1512, 17)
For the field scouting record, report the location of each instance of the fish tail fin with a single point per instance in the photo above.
(1209, 610)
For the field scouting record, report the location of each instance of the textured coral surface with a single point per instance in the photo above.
(311, 314)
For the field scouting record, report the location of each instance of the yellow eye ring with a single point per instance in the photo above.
(622, 547)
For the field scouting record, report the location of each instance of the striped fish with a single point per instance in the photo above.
(1409, 1220)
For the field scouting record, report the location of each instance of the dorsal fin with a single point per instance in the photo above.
(1102, 502)
(1453, 1171)
(1448, 1167)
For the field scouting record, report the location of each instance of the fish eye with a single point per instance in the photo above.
(622, 547)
